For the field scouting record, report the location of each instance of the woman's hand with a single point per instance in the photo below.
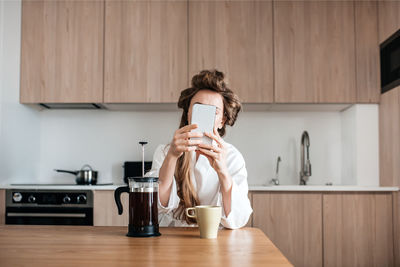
(216, 155)
(181, 141)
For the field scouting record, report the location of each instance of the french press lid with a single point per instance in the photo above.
(141, 179)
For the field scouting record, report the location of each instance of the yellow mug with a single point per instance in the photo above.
(208, 218)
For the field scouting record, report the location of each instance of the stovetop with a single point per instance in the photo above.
(60, 184)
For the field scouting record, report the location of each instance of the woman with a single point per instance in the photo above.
(191, 173)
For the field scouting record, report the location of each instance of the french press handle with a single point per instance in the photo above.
(117, 196)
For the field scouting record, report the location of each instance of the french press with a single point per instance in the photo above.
(143, 199)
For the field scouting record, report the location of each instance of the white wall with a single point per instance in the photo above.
(105, 139)
(19, 125)
(33, 143)
(360, 142)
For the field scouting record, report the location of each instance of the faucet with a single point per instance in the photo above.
(275, 181)
(305, 171)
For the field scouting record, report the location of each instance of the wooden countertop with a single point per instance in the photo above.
(36, 245)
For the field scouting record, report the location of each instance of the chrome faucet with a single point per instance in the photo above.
(275, 181)
(305, 165)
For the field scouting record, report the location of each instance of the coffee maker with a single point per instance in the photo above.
(143, 200)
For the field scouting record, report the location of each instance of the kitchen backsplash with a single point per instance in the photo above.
(67, 139)
(344, 145)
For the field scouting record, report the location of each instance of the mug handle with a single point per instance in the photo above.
(191, 216)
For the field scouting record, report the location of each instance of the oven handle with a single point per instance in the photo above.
(29, 214)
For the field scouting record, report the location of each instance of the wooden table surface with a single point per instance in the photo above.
(36, 245)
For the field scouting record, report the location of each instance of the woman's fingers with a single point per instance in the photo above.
(216, 138)
(187, 128)
(188, 142)
(188, 135)
(208, 153)
(186, 148)
(210, 147)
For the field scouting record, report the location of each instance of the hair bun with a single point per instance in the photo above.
(209, 79)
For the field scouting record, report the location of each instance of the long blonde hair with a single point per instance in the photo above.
(206, 80)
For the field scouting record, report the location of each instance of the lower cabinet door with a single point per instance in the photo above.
(293, 222)
(358, 229)
(105, 212)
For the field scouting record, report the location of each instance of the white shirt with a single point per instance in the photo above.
(206, 183)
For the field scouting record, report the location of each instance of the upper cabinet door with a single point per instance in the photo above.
(145, 51)
(367, 52)
(236, 38)
(62, 51)
(314, 52)
(389, 18)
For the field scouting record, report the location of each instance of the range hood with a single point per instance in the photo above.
(71, 105)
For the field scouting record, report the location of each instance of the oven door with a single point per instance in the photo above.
(49, 215)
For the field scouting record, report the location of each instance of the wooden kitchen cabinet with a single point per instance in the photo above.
(314, 52)
(396, 227)
(358, 229)
(250, 222)
(2, 206)
(389, 132)
(105, 211)
(389, 18)
(62, 51)
(293, 222)
(145, 51)
(367, 52)
(235, 37)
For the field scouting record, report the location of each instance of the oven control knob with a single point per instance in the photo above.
(31, 199)
(17, 197)
(81, 199)
(66, 199)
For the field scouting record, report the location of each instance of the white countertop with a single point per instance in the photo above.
(324, 188)
(342, 188)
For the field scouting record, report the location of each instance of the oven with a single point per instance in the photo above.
(49, 207)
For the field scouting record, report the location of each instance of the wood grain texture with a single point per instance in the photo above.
(145, 51)
(314, 54)
(396, 227)
(367, 52)
(358, 229)
(250, 222)
(108, 246)
(389, 143)
(2, 206)
(236, 38)
(389, 18)
(62, 51)
(293, 221)
(105, 212)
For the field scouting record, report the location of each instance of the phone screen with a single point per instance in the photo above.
(204, 117)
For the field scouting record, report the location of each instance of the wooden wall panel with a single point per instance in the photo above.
(389, 18)
(389, 143)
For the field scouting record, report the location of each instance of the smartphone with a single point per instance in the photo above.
(204, 117)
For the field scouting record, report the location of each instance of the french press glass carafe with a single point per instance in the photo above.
(143, 211)
(143, 200)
